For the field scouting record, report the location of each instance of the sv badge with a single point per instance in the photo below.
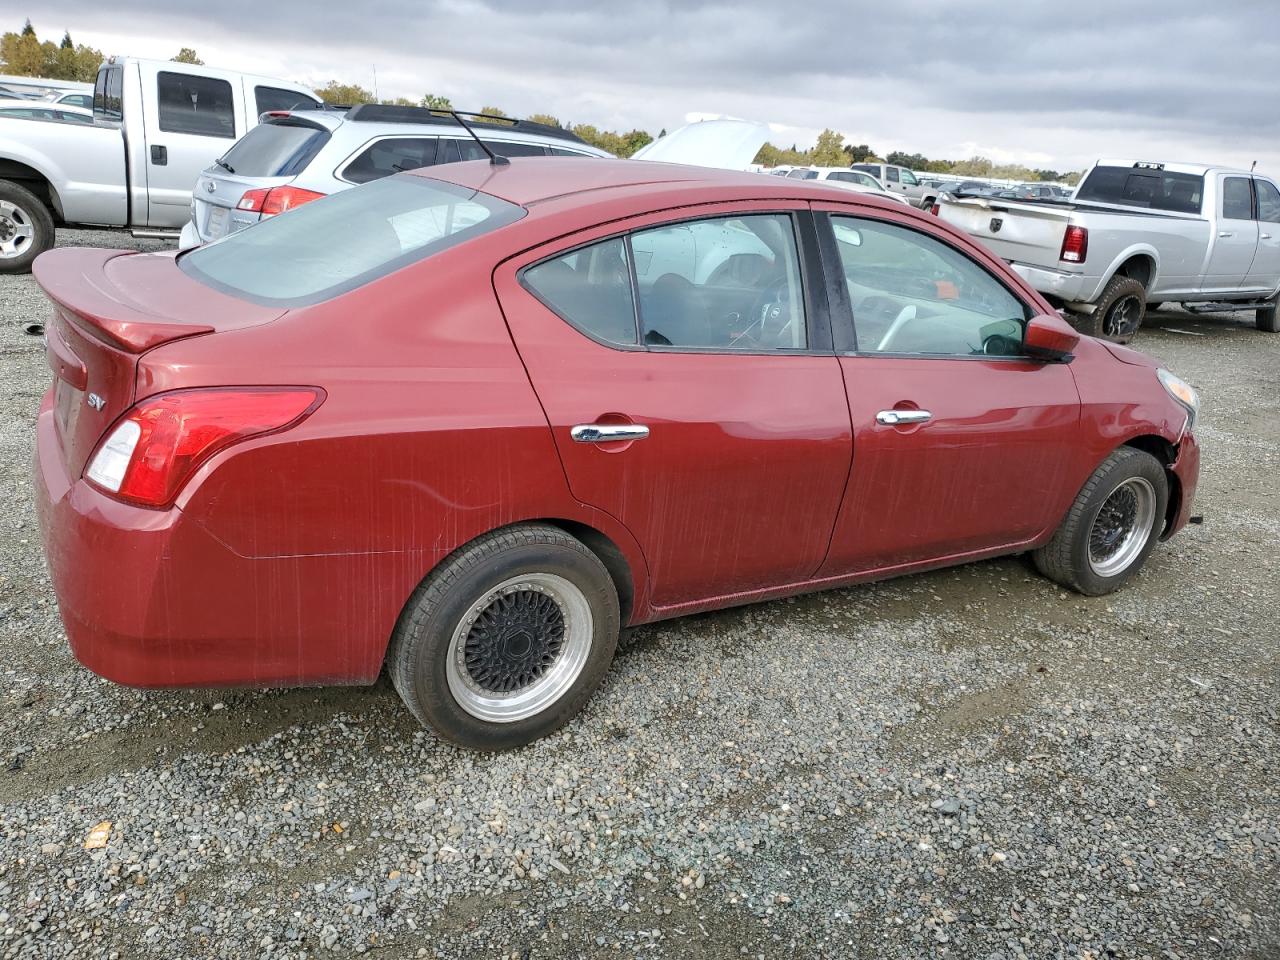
(95, 401)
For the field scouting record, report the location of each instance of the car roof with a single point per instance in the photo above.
(528, 181)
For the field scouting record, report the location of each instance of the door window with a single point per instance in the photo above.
(913, 294)
(891, 174)
(274, 98)
(1237, 199)
(1268, 201)
(909, 178)
(391, 155)
(590, 288)
(197, 105)
(729, 283)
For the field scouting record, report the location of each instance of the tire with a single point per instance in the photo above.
(1096, 565)
(26, 228)
(1105, 323)
(1266, 319)
(472, 686)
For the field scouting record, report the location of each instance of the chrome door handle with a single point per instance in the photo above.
(1264, 236)
(608, 432)
(1225, 233)
(894, 418)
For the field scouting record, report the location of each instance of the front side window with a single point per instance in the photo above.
(730, 283)
(292, 259)
(197, 105)
(591, 288)
(391, 155)
(274, 98)
(909, 178)
(1237, 199)
(1268, 201)
(914, 294)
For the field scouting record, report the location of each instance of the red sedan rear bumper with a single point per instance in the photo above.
(150, 598)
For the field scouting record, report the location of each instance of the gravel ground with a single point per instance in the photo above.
(970, 763)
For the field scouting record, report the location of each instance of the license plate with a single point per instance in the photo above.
(218, 218)
(66, 404)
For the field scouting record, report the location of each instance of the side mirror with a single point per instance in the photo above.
(1049, 338)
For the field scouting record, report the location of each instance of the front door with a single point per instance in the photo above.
(961, 445)
(691, 389)
(1235, 237)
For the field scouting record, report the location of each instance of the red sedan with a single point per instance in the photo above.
(468, 424)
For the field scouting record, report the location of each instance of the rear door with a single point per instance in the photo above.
(189, 120)
(961, 444)
(1235, 239)
(1265, 272)
(688, 377)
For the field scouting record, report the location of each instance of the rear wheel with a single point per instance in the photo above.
(1111, 528)
(26, 228)
(1266, 318)
(507, 639)
(1118, 313)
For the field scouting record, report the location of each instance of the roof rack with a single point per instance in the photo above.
(390, 113)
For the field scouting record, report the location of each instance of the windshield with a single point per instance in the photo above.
(296, 259)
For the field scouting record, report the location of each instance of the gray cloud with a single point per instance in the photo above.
(1064, 83)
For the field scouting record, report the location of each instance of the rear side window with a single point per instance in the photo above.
(292, 259)
(108, 94)
(274, 98)
(1144, 187)
(277, 149)
(382, 158)
(197, 105)
(1237, 199)
(591, 288)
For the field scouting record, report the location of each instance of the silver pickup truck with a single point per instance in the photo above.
(1137, 234)
(156, 125)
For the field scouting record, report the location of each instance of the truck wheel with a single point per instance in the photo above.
(507, 639)
(1118, 313)
(1266, 318)
(26, 228)
(1112, 526)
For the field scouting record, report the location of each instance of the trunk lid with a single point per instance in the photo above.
(1027, 233)
(109, 308)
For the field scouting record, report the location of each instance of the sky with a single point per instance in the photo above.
(1046, 84)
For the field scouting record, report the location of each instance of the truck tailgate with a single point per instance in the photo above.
(1023, 232)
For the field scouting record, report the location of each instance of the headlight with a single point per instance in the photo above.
(1183, 392)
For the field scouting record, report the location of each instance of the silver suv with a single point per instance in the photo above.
(298, 155)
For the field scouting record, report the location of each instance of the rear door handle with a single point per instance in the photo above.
(1265, 236)
(608, 432)
(1225, 233)
(893, 418)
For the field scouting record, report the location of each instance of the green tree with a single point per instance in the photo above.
(829, 150)
(546, 118)
(859, 153)
(24, 55)
(27, 29)
(912, 161)
(433, 101)
(66, 41)
(345, 94)
(493, 111)
(187, 55)
(973, 167)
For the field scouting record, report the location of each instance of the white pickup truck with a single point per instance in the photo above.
(1138, 234)
(157, 124)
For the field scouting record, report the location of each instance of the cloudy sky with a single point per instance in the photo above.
(1048, 84)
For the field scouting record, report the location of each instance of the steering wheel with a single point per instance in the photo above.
(905, 316)
(771, 316)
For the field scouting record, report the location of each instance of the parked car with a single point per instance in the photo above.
(1032, 191)
(157, 124)
(44, 110)
(895, 179)
(854, 180)
(82, 100)
(298, 156)
(1140, 233)
(518, 407)
(40, 88)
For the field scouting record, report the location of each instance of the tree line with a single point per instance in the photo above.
(23, 54)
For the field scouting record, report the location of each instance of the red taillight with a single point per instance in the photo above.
(934, 209)
(159, 444)
(272, 200)
(1075, 244)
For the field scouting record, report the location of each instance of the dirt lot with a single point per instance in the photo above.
(970, 763)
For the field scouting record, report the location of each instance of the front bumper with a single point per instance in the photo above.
(1186, 468)
(150, 598)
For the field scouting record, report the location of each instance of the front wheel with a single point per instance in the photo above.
(26, 228)
(507, 639)
(1111, 528)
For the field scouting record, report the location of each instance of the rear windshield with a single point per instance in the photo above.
(276, 149)
(329, 246)
(1143, 187)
